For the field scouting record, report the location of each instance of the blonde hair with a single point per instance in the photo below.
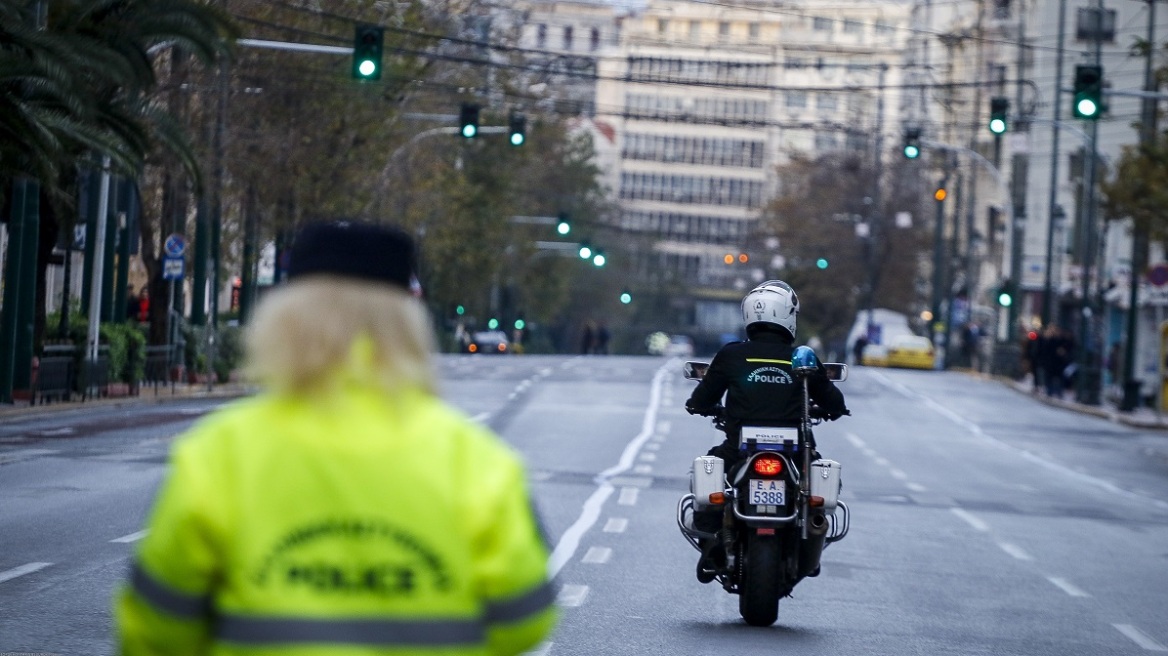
(303, 335)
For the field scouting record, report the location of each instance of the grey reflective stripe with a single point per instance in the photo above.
(370, 632)
(523, 606)
(166, 598)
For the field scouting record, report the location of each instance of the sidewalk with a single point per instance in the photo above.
(147, 396)
(1108, 409)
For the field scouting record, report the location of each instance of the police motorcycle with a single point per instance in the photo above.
(780, 508)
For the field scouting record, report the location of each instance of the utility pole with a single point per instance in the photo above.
(1053, 211)
(875, 218)
(1020, 168)
(1139, 256)
(1087, 388)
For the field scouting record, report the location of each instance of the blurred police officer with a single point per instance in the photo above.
(346, 509)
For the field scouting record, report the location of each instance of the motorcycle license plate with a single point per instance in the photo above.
(767, 492)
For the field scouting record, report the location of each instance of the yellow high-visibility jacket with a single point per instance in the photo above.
(357, 523)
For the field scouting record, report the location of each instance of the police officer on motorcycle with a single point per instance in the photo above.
(756, 378)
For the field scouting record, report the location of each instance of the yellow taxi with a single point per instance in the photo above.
(910, 352)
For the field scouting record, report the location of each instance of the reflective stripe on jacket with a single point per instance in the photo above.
(360, 523)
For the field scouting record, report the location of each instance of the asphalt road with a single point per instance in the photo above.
(983, 522)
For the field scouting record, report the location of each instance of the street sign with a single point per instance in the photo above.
(172, 268)
(175, 245)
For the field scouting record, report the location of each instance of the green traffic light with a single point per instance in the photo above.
(460, 310)
(626, 298)
(564, 227)
(912, 152)
(367, 68)
(585, 252)
(516, 139)
(519, 324)
(1005, 300)
(493, 323)
(998, 126)
(821, 263)
(1087, 107)
(599, 259)
(469, 131)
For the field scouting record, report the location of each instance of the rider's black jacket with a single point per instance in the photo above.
(759, 385)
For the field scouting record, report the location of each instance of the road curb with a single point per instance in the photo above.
(1114, 415)
(227, 391)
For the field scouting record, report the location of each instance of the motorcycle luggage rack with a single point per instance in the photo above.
(692, 535)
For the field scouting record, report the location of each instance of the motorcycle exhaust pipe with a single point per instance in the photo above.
(811, 548)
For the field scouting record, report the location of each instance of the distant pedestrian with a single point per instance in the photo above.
(858, 349)
(588, 338)
(602, 337)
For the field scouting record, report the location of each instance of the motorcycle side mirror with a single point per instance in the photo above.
(695, 370)
(836, 371)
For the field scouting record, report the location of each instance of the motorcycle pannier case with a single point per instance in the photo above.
(825, 482)
(706, 478)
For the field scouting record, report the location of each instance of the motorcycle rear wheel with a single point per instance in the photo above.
(758, 596)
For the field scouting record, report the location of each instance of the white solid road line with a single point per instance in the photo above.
(976, 523)
(590, 512)
(9, 574)
(1067, 587)
(1139, 637)
(133, 537)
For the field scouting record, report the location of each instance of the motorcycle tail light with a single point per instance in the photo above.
(768, 466)
(718, 498)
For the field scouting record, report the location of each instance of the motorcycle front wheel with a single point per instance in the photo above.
(758, 596)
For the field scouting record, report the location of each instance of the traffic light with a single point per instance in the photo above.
(1006, 293)
(367, 47)
(598, 259)
(518, 129)
(1088, 92)
(626, 297)
(585, 251)
(912, 143)
(998, 108)
(520, 324)
(940, 194)
(821, 263)
(564, 226)
(468, 120)
(493, 323)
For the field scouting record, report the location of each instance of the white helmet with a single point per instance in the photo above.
(772, 302)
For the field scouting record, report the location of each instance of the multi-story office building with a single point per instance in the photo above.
(707, 100)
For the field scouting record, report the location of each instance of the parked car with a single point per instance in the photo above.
(489, 342)
(911, 352)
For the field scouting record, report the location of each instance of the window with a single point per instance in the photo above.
(883, 28)
(695, 30)
(754, 31)
(796, 99)
(662, 26)
(825, 100)
(568, 37)
(541, 36)
(724, 30)
(821, 24)
(853, 26)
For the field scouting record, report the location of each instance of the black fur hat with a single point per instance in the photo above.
(356, 250)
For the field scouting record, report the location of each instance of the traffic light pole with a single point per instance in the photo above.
(1052, 206)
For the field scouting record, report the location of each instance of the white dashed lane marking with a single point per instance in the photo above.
(572, 596)
(616, 525)
(976, 523)
(597, 555)
(29, 568)
(1139, 637)
(1067, 587)
(133, 537)
(628, 496)
(1015, 551)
